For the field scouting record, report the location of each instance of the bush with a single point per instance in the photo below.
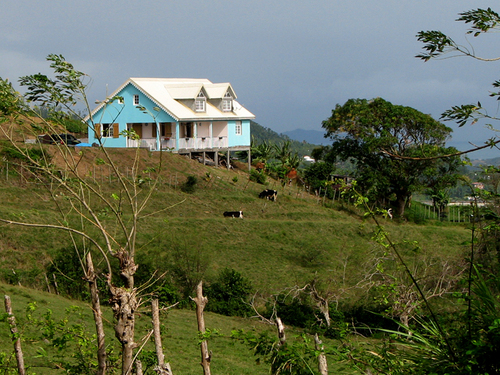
(190, 185)
(318, 174)
(300, 311)
(229, 294)
(257, 176)
(67, 268)
(25, 154)
(75, 126)
(297, 312)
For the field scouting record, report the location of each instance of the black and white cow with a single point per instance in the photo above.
(269, 194)
(234, 214)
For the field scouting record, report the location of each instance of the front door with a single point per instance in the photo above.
(138, 129)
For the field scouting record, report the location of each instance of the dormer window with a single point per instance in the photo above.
(200, 103)
(227, 103)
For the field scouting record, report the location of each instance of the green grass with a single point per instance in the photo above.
(277, 245)
(179, 335)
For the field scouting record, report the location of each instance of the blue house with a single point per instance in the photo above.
(179, 115)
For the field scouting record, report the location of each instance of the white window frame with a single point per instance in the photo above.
(238, 129)
(200, 104)
(227, 103)
(136, 99)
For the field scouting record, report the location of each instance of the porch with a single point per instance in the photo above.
(187, 143)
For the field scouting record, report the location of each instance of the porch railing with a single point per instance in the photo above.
(184, 143)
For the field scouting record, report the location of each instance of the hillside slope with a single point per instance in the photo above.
(277, 244)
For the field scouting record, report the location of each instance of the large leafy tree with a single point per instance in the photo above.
(386, 141)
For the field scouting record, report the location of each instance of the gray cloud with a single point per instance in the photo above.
(290, 61)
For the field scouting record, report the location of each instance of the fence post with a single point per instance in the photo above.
(15, 335)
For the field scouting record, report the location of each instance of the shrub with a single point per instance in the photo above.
(25, 155)
(75, 126)
(295, 311)
(190, 185)
(229, 293)
(67, 268)
(318, 174)
(257, 176)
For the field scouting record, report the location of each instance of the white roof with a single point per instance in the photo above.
(167, 93)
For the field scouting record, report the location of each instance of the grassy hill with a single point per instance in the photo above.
(179, 339)
(278, 245)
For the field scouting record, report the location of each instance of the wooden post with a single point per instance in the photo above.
(96, 308)
(17, 340)
(162, 368)
(55, 283)
(201, 302)
(322, 363)
(281, 331)
(47, 282)
(138, 367)
(249, 159)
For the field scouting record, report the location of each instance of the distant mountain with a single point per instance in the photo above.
(493, 161)
(315, 137)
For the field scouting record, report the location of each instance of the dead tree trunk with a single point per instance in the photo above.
(322, 363)
(162, 368)
(138, 367)
(17, 340)
(124, 304)
(281, 331)
(201, 302)
(55, 283)
(96, 308)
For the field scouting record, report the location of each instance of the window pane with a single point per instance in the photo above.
(200, 105)
(226, 105)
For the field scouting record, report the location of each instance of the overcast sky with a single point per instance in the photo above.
(290, 62)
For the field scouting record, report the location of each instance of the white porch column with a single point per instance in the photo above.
(177, 135)
(195, 134)
(210, 135)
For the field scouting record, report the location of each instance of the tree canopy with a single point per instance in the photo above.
(380, 137)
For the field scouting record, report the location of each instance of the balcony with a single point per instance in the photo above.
(169, 143)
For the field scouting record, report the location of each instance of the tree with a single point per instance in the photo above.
(112, 237)
(10, 102)
(377, 134)
(229, 294)
(318, 175)
(261, 152)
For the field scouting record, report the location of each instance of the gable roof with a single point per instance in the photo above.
(168, 94)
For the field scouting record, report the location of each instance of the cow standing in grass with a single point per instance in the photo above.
(234, 214)
(270, 194)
